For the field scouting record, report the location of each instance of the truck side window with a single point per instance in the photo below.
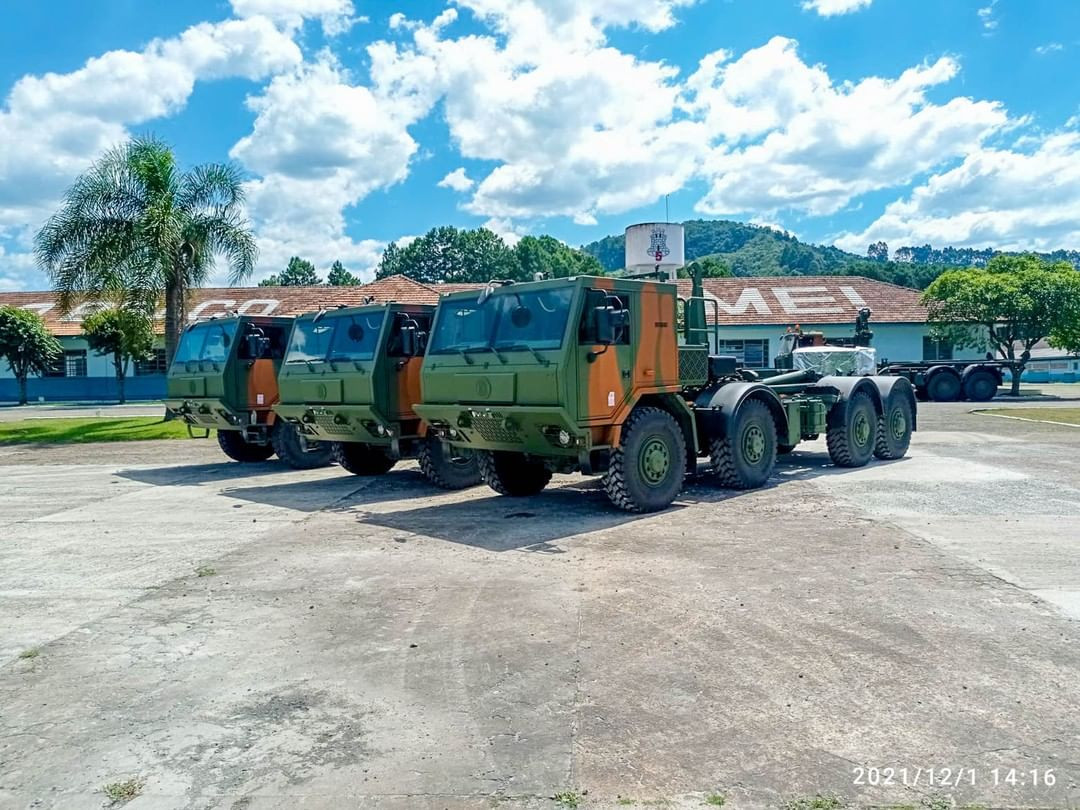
(594, 299)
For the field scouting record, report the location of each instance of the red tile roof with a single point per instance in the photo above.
(808, 299)
(782, 300)
(208, 301)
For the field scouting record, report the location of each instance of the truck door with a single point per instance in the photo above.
(604, 373)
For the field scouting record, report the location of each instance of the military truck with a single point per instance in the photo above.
(224, 378)
(592, 374)
(351, 377)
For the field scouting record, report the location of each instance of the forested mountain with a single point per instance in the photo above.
(754, 250)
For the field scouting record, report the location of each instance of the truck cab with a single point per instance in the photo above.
(351, 377)
(223, 377)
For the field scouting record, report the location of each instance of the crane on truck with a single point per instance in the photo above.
(594, 374)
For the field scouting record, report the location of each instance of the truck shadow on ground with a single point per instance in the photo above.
(195, 474)
(498, 523)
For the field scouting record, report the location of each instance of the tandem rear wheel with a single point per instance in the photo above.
(447, 467)
(894, 429)
(235, 446)
(294, 449)
(511, 473)
(646, 470)
(746, 456)
(853, 431)
(362, 459)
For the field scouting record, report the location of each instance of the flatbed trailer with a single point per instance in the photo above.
(949, 380)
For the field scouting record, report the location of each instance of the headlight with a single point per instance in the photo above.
(564, 438)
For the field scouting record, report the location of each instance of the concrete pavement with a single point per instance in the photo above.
(378, 643)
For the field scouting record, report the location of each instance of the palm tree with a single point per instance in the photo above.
(134, 227)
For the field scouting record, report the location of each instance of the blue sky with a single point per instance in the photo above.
(361, 122)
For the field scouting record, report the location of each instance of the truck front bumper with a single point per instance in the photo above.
(534, 430)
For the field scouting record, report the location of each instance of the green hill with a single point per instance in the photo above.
(755, 250)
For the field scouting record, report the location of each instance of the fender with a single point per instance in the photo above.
(717, 405)
(889, 387)
(848, 387)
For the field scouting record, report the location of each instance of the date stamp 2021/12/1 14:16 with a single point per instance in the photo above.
(905, 776)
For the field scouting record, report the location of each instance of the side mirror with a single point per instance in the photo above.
(258, 345)
(609, 324)
(410, 341)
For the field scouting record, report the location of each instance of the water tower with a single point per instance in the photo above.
(654, 247)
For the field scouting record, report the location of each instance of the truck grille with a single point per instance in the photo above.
(491, 429)
(327, 425)
(693, 364)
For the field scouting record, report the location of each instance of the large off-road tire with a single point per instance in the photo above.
(851, 440)
(894, 428)
(944, 386)
(746, 457)
(646, 470)
(363, 459)
(294, 449)
(233, 445)
(980, 386)
(446, 467)
(512, 473)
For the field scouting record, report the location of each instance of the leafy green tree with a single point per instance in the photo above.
(710, 267)
(340, 277)
(878, 252)
(298, 273)
(126, 334)
(546, 254)
(135, 226)
(1009, 306)
(26, 344)
(448, 254)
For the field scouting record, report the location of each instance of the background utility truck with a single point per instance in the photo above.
(588, 374)
(351, 376)
(224, 377)
(935, 380)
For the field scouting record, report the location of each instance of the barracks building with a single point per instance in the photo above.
(752, 313)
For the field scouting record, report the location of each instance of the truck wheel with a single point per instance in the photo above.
(646, 470)
(446, 467)
(851, 443)
(980, 386)
(233, 445)
(362, 459)
(512, 473)
(294, 449)
(894, 429)
(944, 387)
(745, 458)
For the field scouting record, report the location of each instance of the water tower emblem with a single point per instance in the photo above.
(658, 248)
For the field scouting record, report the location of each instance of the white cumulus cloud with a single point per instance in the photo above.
(336, 16)
(457, 180)
(832, 8)
(791, 138)
(996, 197)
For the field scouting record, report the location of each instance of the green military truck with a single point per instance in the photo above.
(224, 378)
(595, 375)
(351, 377)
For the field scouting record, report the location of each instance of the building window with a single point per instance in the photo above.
(153, 365)
(751, 353)
(934, 349)
(71, 363)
